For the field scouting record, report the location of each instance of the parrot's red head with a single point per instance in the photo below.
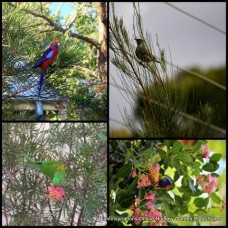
(55, 44)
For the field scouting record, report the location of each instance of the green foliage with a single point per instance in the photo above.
(182, 163)
(202, 94)
(88, 105)
(82, 149)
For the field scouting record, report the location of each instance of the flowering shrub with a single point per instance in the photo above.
(154, 181)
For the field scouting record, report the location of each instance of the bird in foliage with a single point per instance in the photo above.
(55, 170)
(45, 60)
(165, 182)
(143, 53)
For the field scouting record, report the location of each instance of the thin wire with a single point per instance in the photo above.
(199, 76)
(196, 18)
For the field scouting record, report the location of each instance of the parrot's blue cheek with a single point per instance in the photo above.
(165, 182)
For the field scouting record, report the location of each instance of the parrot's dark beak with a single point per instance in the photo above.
(57, 45)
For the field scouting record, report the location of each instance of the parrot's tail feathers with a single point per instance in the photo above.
(43, 73)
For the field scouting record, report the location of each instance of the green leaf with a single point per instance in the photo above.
(210, 167)
(124, 171)
(176, 176)
(215, 198)
(184, 181)
(201, 212)
(162, 153)
(168, 211)
(215, 157)
(184, 209)
(177, 147)
(147, 154)
(185, 158)
(178, 201)
(196, 146)
(125, 199)
(200, 202)
(142, 193)
(156, 157)
(132, 187)
(186, 197)
(172, 223)
(166, 162)
(180, 168)
(196, 164)
(196, 172)
(198, 192)
(124, 213)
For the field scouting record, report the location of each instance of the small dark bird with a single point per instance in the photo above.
(143, 53)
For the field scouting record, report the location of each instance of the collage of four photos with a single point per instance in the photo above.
(113, 114)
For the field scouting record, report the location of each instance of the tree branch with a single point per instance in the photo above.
(53, 24)
(60, 29)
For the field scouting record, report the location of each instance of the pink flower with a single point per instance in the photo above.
(200, 180)
(144, 181)
(154, 213)
(157, 213)
(206, 152)
(149, 204)
(136, 215)
(154, 173)
(149, 196)
(150, 212)
(208, 183)
(210, 186)
(55, 192)
(132, 207)
(137, 201)
(134, 174)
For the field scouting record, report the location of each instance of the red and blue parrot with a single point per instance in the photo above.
(45, 60)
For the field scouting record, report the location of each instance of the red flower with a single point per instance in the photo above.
(55, 192)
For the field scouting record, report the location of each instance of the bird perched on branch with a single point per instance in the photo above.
(45, 60)
(55, 170)
(143, 53)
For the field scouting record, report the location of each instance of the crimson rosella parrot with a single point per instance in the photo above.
(45, 60)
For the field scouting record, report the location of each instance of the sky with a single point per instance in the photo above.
(65, 10)
(189, 41)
